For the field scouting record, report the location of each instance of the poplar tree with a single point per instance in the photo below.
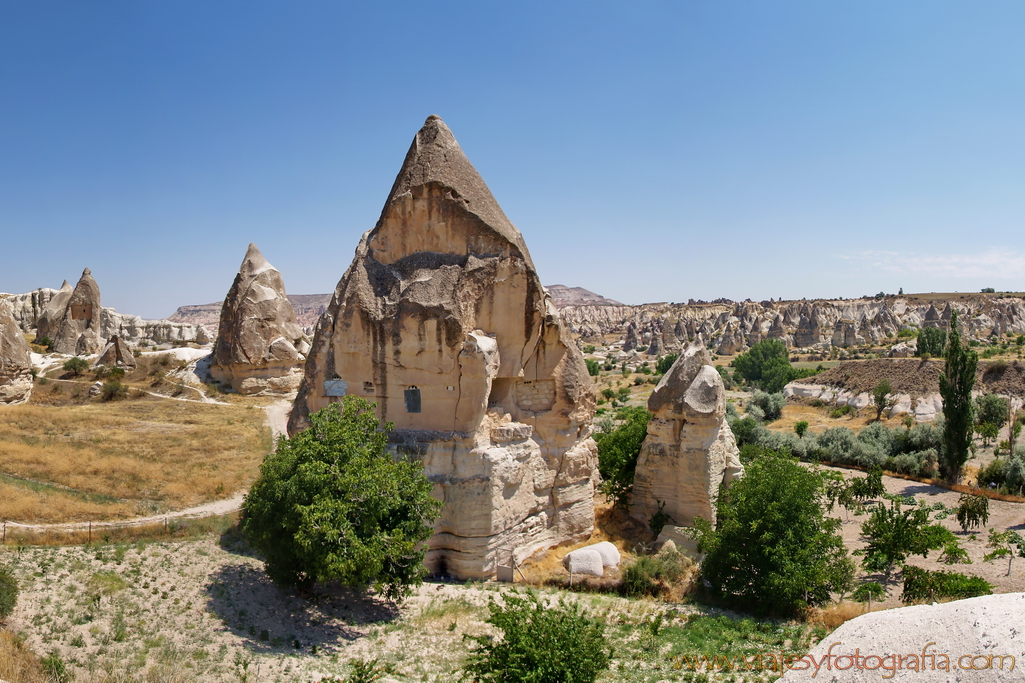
(956, 384)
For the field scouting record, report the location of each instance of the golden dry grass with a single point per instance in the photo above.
(819, 421)
(18, 664)
(111, 460)
(835, 615)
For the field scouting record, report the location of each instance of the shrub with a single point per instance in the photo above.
(113, 391)
(869, 591)
(332, 503)
(8, 592)
(774, 549)
(972, 511)
(665, 362)
(894, 534)
(991, 409)
(992, 475)
(618, 450)
(800, 427)
(76, 366)
(770, 405)
(840, 411)
(654, 575)
(922, 585)
(593, 367)
(539, 644)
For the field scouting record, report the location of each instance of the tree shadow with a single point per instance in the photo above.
(271, 619)
(921, 489)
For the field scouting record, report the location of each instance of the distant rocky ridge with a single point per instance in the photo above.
(577, 296)
(728, 327)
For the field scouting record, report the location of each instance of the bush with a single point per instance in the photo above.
(539, 644)
(770, 405)
(992, 475)
(922, 585)
(8, 592)
(332, 503)
(991, 409)
(800, 427)
(774, 549)
(113, 391)
(618, 450)
(76, 366)
(972, 511)
(665, 362)
(654, 575)
(841, 411)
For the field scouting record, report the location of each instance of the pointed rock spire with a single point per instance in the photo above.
(260, 345)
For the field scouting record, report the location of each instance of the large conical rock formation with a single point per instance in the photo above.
(53, 313)
(260, 347)
(116, 354)
(15, 363)
(78, 328)
(689, 451)
(442, 321)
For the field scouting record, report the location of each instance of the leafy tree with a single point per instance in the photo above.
(618, 450)
(956, 384)
(988, 431)
(760, 359)
(332, 504)
(774, 548)
(665, 362)
(800, 428)
(1006, 543)
(931, 341)
(593, 367)
(114, 391)
(881, 397)
(866, 488)
(76, 365)
(991, 409)
(539, 644)
(972, 511)
(869, 591)
(894, 534)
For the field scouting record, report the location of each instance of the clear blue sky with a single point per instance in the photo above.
(649, 151)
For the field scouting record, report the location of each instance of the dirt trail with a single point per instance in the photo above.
(277, 420)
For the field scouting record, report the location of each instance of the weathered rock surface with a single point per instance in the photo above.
(260, 347)
(77, 327)
(978, 640)
(116, 354)
(587, 561)
(15, 363)
(42, 311)
(308, 309)
(689, 451)
(442, 321)
(728, 327)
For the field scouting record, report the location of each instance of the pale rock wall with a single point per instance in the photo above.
(689, 452)
(441, 320)
(15, 363)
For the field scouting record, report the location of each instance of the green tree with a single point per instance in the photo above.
(991, 409)
(881, 397)
(618, 450)
(800, 428)
(894, 534)
(869, 591)
(593, 367)
(956, 384)
(332, 504)
(972, 511)
(774, 549)
(665, 362)
(539, 644)
(931, 341)
(76, 366)
(1005, 543)
(759, 359)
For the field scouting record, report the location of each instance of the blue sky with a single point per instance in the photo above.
(648, 151)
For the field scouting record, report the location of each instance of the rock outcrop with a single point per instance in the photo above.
(978, 640)
(442, 321)
(50, 314)
(15, 363)
(77, 328)
(689, 451)
(260, 347)
(116, 354)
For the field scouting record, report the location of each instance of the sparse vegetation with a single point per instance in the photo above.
(618, 450)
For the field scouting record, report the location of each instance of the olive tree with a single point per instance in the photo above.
(331, 503)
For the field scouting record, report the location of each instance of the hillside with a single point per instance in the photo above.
(918, 377)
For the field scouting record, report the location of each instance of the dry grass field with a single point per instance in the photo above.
(96, 460)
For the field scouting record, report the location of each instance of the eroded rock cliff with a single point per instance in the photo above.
(442, 321)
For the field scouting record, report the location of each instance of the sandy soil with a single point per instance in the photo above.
(1003, 515)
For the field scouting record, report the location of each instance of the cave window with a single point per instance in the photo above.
(412, 395)
(368, 387)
